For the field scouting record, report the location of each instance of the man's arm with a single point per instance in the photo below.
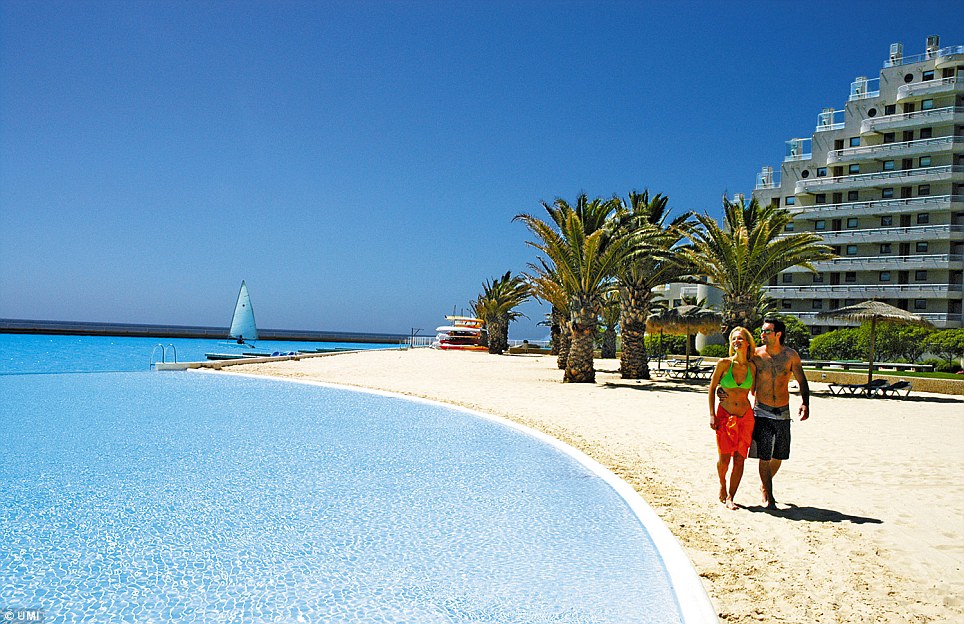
(801, 377)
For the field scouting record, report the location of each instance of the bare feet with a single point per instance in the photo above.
(722, 493)
(768, 501)
(730, 504)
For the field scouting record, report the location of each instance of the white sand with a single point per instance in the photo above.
(873, 495)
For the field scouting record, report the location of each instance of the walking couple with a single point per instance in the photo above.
(760, 429)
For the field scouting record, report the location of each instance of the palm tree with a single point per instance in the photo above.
(496, 306)
(609, 320)
(741, 257)
(584, 248)
(546, 286)
(641, 272)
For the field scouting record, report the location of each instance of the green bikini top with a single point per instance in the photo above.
(728, 382)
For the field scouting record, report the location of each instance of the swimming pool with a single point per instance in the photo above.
(155, 497)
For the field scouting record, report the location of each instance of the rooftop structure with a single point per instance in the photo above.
(883, 182)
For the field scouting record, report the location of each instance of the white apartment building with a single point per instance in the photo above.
(883, 182)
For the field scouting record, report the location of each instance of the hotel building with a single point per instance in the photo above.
(882, 181)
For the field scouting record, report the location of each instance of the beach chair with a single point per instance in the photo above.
(895, 389)
(866, 389)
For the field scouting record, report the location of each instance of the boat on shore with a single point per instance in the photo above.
(463, 334)
(243, 329)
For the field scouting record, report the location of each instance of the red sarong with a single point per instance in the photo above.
(733, 433)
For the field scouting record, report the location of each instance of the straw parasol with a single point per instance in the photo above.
(687, 320)
(874, 311)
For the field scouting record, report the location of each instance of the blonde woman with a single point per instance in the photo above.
(732, 419)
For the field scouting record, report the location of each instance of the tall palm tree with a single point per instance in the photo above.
(641, 272)
(584, 249)
(546, 286)
(743, 255)
(496, 306)
(609, 318)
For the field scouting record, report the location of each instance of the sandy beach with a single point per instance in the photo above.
(871, 525)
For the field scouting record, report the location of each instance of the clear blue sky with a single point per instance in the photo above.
(359, 163)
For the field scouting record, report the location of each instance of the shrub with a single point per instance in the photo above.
(715, 350)
(797, 336)
(947, 343)
(947, 367)
(671, 344)
(840, 344)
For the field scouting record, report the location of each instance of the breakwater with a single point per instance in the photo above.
(81, 328)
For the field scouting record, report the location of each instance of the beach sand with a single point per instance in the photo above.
(871, 527)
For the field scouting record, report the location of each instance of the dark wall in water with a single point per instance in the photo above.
(18, 326)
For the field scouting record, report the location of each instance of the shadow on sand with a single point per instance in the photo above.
(812, 514)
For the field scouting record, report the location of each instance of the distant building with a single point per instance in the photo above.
(883, 182)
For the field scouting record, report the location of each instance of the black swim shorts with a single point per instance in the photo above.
(771, 438)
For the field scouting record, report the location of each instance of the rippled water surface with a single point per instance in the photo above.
(158, 497)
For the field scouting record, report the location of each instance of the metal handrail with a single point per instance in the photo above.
(909, 230)
(884, 259)
(878, 203)
(908, 89)
(870, 122)
(845, 288)
(887, 147)
(924, 56)
(881, 175)
(163, 359)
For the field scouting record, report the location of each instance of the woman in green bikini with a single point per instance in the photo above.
(732, 419)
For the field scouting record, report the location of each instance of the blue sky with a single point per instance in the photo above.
(359, 163)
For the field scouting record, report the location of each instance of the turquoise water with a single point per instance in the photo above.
(185, 497)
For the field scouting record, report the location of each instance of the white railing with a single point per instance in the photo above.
(883, 205)
(868, 125)
(910, 232)
(542, 344)
(883, 148)
(905, 91)
(920, 58)
(929, 259)
(864, 88)
(932, 289)
(803, 185)
(933, 317)
(416, 342)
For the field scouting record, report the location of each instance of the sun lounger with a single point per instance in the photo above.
(895, 388)
(867, 389)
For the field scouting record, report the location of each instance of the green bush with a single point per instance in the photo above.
(715, 350)
(946, 343)
(840, 344)
(797, 336)
(947, 367)
(671, 344)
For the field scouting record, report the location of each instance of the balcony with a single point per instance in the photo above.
(945, 56)
(865, 291)
(878, 179)
(931, 203)
(894, 150)
(884, 263)
(939, 319)
(892, 234)
(937, 86)
(917, 119)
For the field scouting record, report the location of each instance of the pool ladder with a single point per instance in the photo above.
(163, 359)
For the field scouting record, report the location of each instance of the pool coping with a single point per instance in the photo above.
(692, 601)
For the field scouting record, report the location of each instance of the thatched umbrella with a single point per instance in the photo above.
(687, 320)
(874, 311)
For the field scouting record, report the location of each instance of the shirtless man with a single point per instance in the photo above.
(775, 364)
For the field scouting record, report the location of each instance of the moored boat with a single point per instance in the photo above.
(464, 334)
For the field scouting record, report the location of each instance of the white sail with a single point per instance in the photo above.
(242, 325)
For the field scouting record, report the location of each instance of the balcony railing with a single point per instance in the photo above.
(921, 260)
(920, 58)
(885, 290)
(938, 85)
(930, 145)
(913, 232)
(937, 318)
(859, 179)
(924, 117)
(881, 206)
(864, 88)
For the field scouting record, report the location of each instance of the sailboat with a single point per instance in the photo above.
(243, 328)
(242, 324)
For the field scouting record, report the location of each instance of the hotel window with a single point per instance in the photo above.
(888, 165)
(887, 193)
(928, 75)
(906, 191)
(788, 227)
(852, 222)
(838, 144)
(817, 304)
(924, 189)
(925, 161)
(818, 278)
(890, 137)
(850, 276)
(788, 278)
(790, 200)
(920, 304)
(837, 198)
(853, 169)
(920, 276)
(923, 218)
(775, 202)
(821, 172)
(927, 105)
(787, 304)
(851, 250)
(907, 163)
(855, 141)
(886, 221)
(908, 135)
(820, 198)
(819, 225)
(885, 248)
(853, 196)
(921, 247)
(926, 133)
(885, 276)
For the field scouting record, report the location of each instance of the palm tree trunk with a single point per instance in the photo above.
(609, 343)
(565, 343)
(497, 329)
(634, 303)
(739, 310)
(579, 366)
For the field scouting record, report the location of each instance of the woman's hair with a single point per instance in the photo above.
(750, 343)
